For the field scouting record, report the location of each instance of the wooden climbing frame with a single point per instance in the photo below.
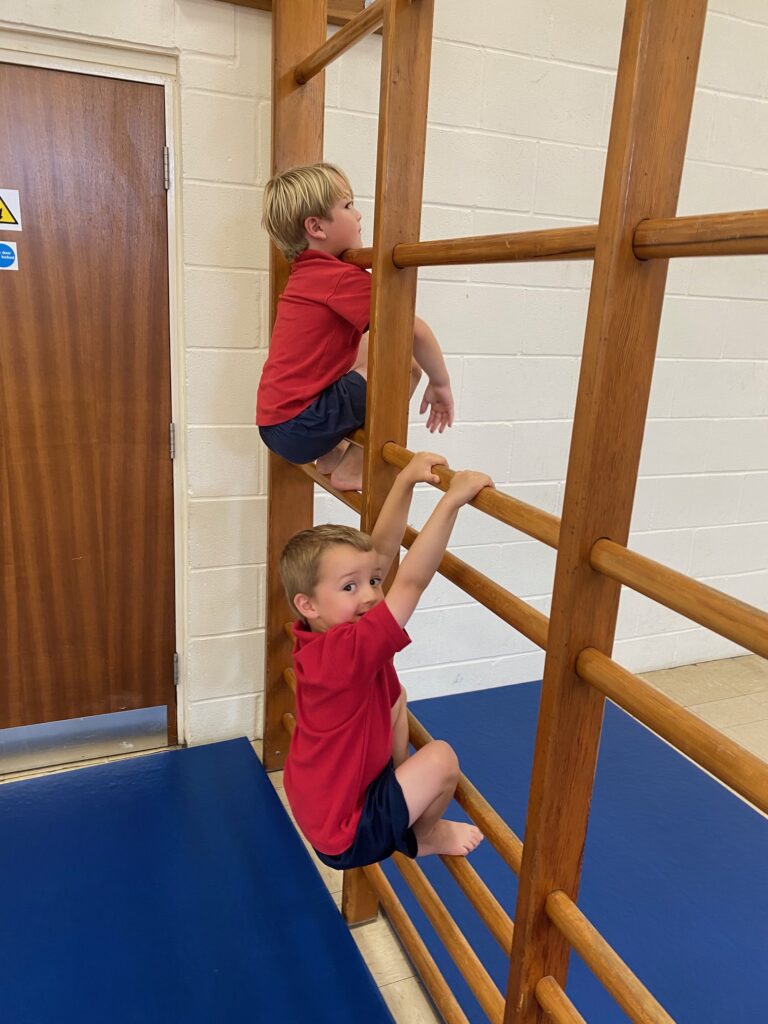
(636, 235)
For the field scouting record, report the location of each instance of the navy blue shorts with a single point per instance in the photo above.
(315, 431)
(383, 826)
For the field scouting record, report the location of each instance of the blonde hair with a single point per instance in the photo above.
(300, 560)
(294, 195)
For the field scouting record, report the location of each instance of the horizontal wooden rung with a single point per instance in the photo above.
(559, 1008)
(741, 233)
(530, 520)
(443, 998)
(731, 618)
(491, 824)
(465, 958)
(517, 613)
(494, 916)
(289, 722)
(290, 679)
(351, 498)
(511, 609)
(745, 773)
(357, 28)
(604, 962)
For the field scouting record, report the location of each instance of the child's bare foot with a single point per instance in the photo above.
(451, 838)
(327, 463)
(348, 474)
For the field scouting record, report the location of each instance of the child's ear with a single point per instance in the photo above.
(313, 227)
(305, 606)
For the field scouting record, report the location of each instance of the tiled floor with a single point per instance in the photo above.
(731, 695)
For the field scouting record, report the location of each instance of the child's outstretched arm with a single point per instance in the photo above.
(390, 526)
(421, 562)
(438, 397)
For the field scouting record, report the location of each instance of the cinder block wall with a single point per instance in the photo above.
(520, 109)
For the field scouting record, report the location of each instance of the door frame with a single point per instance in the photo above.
(59, 52)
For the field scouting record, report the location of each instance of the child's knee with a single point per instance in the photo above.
(445, 760)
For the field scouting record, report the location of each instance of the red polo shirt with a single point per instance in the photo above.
(321, 316)
(346, 686)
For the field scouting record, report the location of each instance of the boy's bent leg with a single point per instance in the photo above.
(400, 729)
(428, 781)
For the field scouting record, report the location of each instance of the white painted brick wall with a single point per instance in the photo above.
(519, 115)
(224, 70)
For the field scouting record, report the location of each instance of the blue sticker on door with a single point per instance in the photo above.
(8, 258)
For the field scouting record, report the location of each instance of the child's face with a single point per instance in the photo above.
(349, 584)
(342, 229)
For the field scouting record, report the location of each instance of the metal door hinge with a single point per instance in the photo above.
(166, 168)
(175, 668)
(172, 440)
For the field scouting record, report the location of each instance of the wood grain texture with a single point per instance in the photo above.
(652, 105)
(495, 917)
(297, 138)
(88, 618)
(606, 964)
(741, 233)
(405, 65)
(556, 1003)
(726, 615)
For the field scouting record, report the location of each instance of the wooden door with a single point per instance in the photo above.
(86, 498)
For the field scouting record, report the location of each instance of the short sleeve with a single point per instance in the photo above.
(360, 649)
(351, 297)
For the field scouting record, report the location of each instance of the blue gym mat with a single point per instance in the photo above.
(170, 887)
(675, 867)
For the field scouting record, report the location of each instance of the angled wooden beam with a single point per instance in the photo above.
(358, 28)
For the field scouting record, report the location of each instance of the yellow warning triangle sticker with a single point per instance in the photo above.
(6, 217)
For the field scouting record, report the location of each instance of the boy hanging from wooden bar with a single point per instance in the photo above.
(354, 791)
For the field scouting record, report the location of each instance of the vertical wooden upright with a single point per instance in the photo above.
(654, 95)
(405, 62)
(298, 28)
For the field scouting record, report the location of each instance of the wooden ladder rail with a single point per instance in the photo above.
(405, 65)
(651, 114)
(300, 52)
(298, 27)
